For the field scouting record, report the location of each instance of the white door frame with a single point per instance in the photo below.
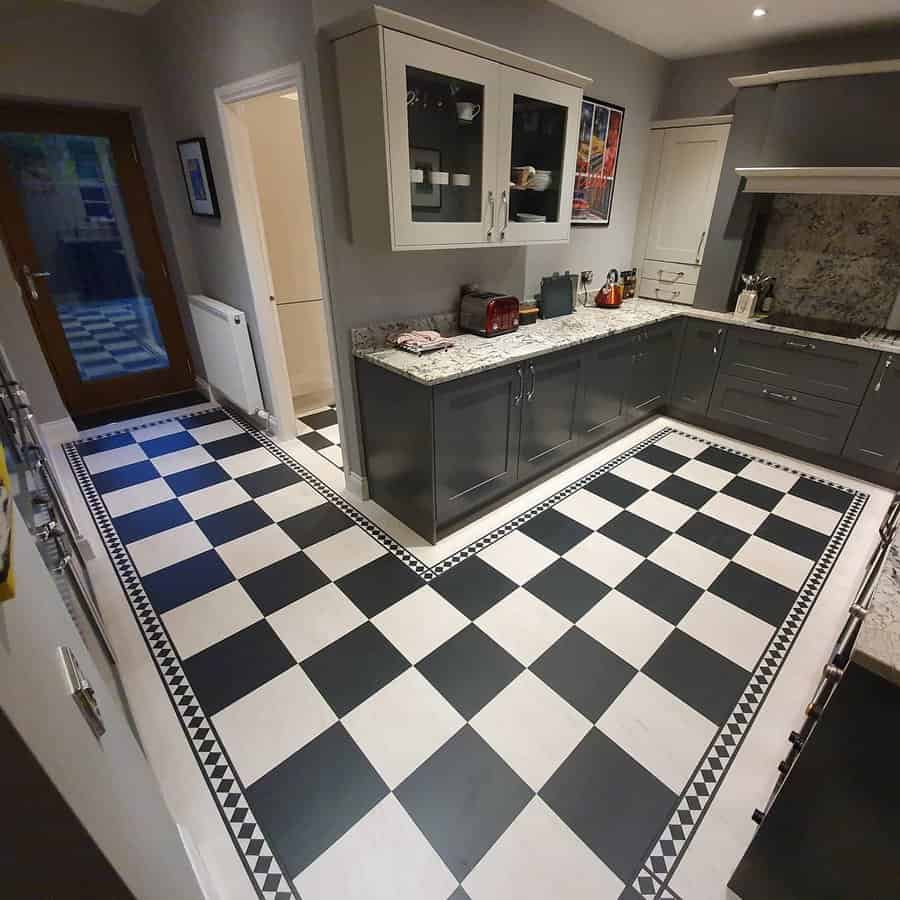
(243, 182)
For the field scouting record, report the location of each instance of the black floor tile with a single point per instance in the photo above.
(699, 676)
(463, 798)
(469, 670)
(267, 480)
(196, 479)
(751, 492)
(315, 440)
(714, 534)
(615, 489)
(316, 524)
(792, 536)
(660, 591)
(723, 459)
(823, 494)
(380, 584)
(186, 580)
(459, 894)
(314, 797)
(124, 476)
(150, 520)
(232, 523)
(584, 672)
(236, 665)
(207, 418)
(283, 582)
(629, 893)
(568, 589)
(232, 445)
(321, 419)
(473, 586)
(687, 492)
(661, 458)
(107, 442)
(635, 532)
(354, 667)
(610, 801)
(168, 443)
(754, 593)
(556, 531)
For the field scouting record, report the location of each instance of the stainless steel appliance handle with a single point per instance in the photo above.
(700, 246)
(533, 382)
(504, 206)
(799, 345)
(491, 204)
(517, 399)
(774, 395)
(887, 365)
(719, 334)
(29, 280)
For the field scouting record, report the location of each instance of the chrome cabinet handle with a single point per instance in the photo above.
(799, 345)
(29, 280)
(774, 395)
(700, 246)
(504, 206)
(517, 399)
(669, 272)
(491, 204)
(533, 382)
(673, 292)
(887, 365)
(719, 334)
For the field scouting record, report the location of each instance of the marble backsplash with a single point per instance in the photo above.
(834, 256)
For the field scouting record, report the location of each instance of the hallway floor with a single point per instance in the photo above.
(319, 430)
(557, 706)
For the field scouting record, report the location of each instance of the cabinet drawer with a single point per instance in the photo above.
(670, 272)
(812, 422)
(813, 366)
(660, 290)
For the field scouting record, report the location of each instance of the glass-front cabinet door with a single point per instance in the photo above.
(443, 112)
(536, 175)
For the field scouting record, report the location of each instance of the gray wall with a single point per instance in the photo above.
(699, 86)
(202, 44)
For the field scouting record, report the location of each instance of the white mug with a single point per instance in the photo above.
(461, 179)
(466, 112)
(440, 177)
(417, 176)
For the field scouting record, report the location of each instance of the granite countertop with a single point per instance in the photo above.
(878, 645)
(472, 353)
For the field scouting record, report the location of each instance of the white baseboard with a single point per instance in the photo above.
(58, 431)
(197, 864)
(358, 485)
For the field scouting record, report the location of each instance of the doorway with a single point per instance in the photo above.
(268, 161)
(79, 230)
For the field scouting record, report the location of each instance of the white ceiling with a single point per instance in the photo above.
(137, 7)
(699, 27)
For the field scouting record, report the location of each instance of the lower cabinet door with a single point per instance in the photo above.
(875, 437)
(476, 440)
(654, 364)
(605, 387)
(550, 431)
(701, 350)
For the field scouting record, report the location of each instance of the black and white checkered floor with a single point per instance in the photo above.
(548, 713)
(319, 430)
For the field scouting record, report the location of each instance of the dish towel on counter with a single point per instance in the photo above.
(419, 341)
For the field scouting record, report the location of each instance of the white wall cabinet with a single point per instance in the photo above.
(435, 125)
(680, 183)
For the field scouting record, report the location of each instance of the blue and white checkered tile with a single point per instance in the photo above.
(594, 663)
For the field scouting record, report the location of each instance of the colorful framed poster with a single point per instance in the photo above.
(198, 180)
(599, 138)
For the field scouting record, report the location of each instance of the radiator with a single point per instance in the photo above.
(226, 351)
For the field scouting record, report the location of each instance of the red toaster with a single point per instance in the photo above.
(487, 313)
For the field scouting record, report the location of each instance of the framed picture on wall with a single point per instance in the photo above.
(198, 179)
(599, 138)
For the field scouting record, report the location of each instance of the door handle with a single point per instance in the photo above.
(799, 345)
(774, 395)
(517, 398)
(504, 207)
(533, 382)
(700, 246)
(887, 365)
(491, 204)
(29, 280)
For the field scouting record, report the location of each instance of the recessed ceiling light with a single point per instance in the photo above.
(759, 12)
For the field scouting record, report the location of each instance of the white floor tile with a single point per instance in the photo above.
(662, 511)
(401, 725)
(727, 629)
(760, 473)
(333, 454)
(588, 509)
(604, 559)
(180, 460)
(217, 430)
(679, 443)
(168, 547)
(383, 856)
(152, 432)
(208, 619)
(801, 511)
(539, 857)
(531, 727)
(214, 499)
(315, 621)
(266, 726)
(640, 472)
(735, 512)
(702, 473)
(663, 733)
(256, 550)
(331, 433)
(625, 627)
(518, 556)
(138, 496)
(249, 461)
(775, 562)
(689, 560)
(420, 623)
(113, 459)
(523, 625)
(303, 428)
(345, 552)
(289, 501)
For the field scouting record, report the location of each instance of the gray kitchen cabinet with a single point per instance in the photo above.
(550, 432)
(698, 364)
(651, 373)
(607, 378)
(875, 437)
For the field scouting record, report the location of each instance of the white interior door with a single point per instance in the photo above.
(442, 112)
(538, 131)
(685, 193)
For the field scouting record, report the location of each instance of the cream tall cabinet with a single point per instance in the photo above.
(434, 126)
(680, 183)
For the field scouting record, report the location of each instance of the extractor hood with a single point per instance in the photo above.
(877, 180)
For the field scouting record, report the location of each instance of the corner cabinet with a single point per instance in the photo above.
(435, 125)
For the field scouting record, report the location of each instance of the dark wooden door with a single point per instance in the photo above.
(701, 350)
(606, 383)
(77, 224)
(654, 364)
(550, 431)
(476, 440)
(875, 436)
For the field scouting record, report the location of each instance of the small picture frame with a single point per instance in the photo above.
(198, 179)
